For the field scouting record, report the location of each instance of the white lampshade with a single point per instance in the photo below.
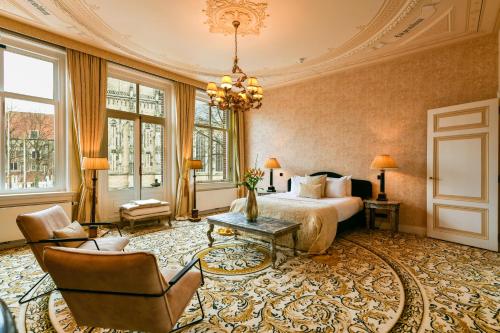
(226, 82)
(382, 162)
(211, 89)
(95, 163)
(259, 93)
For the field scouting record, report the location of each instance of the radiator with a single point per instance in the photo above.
(8, 228)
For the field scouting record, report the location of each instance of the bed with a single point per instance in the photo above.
(320, 218)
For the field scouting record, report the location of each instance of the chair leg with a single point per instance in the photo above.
(22, 300)
(195, 321)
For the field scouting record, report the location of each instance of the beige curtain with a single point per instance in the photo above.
(87, 78)
(239, 149)
(185, 95)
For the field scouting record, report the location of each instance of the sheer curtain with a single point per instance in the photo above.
(87, 81)
(185, 95)
(238, 127)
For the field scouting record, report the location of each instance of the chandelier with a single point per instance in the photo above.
(243, 94)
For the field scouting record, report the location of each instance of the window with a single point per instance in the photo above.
(211, 141)
(136, 132)
(33, 141)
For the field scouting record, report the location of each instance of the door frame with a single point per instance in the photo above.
(487, 128)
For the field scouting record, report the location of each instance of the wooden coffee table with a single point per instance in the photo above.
(267, 227)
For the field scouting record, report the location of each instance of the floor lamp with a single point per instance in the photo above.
(194, 165)
(94, 164)
(382, 163)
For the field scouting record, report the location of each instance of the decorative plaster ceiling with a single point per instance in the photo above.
(284, 40)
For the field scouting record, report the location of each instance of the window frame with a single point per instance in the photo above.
(144, 79)
(57, 57)
(229, 181)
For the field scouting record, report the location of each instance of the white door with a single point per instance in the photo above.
(462, 174)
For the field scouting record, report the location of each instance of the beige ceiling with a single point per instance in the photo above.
(284, 41)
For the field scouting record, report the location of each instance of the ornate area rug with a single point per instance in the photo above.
(367, 282)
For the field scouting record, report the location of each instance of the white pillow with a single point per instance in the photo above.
(296, 180)
(349, 185)
(310, 191)
(337, 187)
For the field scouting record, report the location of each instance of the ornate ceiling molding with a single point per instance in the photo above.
(221, 14)
(398, 27)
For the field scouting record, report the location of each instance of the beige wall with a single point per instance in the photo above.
(341, 121)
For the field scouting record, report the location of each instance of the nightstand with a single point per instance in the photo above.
(392, 207)
(261, 193)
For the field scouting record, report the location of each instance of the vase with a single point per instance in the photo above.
(251, 209)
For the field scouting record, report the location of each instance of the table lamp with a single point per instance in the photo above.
(271, 163)
(194, 165)
(94, 164)
(382, 163)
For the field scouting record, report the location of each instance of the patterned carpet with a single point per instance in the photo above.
(367, 282)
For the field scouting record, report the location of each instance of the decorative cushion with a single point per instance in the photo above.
(310, 191)
(73, 230)
(338, 187)
(321, 179)
(296, 180)
(106, 244)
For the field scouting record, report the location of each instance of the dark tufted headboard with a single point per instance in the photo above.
(360, 188)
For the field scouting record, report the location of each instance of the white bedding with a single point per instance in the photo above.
(346, 207)
(318, 217)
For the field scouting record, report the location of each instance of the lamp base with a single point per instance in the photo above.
(92, 231)
(271, 189)
(382, 197)
(194, 216)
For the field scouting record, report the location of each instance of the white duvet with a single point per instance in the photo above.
(318, 217)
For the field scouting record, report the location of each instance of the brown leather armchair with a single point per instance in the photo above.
(122, 290)
(38, 229)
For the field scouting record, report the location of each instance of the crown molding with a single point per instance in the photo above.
(59, 40)
(380, 59)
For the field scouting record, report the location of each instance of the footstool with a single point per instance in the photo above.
(145, 210)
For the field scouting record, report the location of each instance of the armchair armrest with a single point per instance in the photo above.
(64, 240)
(103, 224)
(183, 271)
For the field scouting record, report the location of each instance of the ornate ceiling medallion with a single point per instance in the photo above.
(222, 13)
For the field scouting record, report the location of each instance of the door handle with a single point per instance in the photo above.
(432, 178)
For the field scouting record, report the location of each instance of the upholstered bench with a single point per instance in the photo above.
(145, 210)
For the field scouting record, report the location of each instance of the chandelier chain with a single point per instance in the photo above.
(236, 43)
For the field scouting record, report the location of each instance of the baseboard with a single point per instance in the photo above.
(214, 211)
(413, 229)
(12, 244)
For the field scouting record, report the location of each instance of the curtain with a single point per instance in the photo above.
(239, 148)
(185, 95)
(87, 78)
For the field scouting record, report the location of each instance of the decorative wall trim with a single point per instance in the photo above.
(484, 220)
(483, 137)
(483, 111)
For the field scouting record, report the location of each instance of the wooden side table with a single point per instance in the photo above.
(391, 206)
(262, 193)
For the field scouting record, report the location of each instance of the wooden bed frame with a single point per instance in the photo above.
(360, 188)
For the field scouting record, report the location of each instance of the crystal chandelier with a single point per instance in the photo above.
(242, 95)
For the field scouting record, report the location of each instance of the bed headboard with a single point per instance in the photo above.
(360, 188)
